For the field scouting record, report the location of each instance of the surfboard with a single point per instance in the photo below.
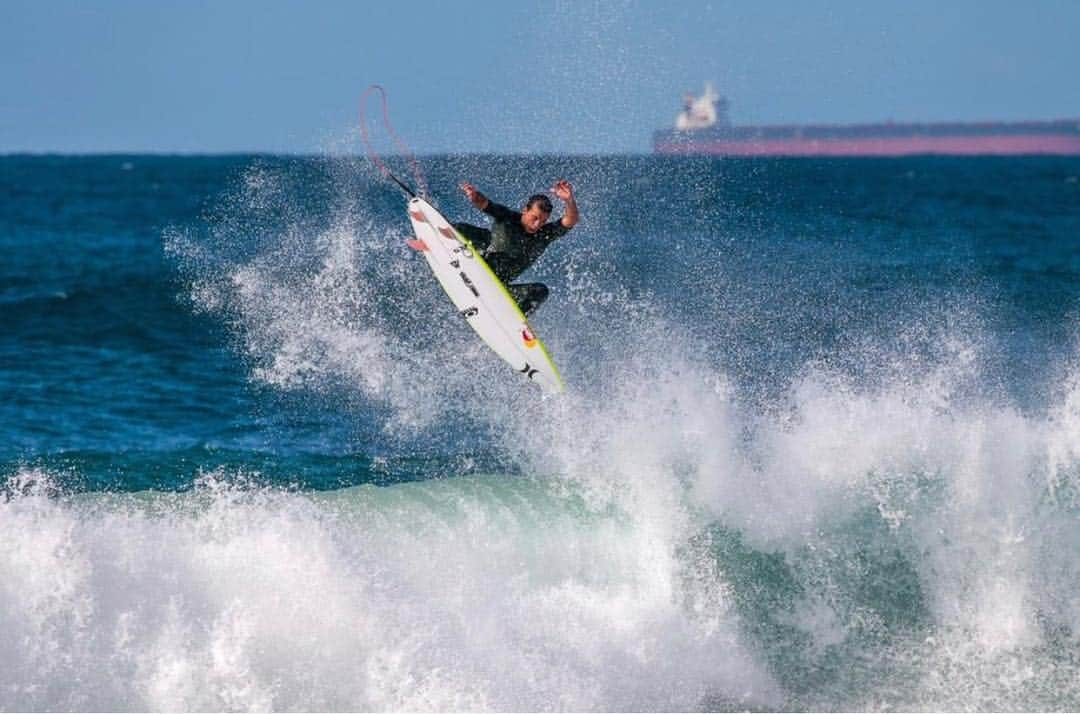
(480, 297)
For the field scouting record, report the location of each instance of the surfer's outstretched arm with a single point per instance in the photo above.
(475, 197)
(565, 192)
(496, 210)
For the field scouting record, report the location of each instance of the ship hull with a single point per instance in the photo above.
(1060, 138)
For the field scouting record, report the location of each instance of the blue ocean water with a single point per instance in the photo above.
(820, 447)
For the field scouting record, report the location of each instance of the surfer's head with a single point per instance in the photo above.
(536, 213)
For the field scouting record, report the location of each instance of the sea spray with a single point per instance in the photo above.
(819, 442)
(468, 593)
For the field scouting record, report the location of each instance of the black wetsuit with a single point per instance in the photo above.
(510, 250)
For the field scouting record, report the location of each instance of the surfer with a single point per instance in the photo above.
(516, 240)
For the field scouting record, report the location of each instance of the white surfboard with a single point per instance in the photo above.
(480, 296)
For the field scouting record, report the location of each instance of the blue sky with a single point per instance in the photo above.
(523, 77)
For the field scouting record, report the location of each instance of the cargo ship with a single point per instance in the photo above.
(702, 127)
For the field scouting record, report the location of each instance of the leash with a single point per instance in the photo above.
(417, 172)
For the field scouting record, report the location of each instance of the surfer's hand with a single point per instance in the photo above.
(563, 190)
(475, 197)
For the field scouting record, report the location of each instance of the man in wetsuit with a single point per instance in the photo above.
(516, 240)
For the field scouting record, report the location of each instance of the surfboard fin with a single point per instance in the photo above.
(417, 244)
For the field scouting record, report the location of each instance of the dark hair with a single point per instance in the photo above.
(542, 200)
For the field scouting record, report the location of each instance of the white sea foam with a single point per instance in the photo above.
(974, 500)
(474, 594)
(924, 532)
(581, 587)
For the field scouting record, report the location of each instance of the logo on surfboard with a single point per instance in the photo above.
(528, 338)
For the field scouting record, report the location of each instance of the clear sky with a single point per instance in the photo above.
(574, 76)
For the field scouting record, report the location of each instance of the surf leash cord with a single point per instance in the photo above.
(417, 172)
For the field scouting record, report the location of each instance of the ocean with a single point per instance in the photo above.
(819, 447)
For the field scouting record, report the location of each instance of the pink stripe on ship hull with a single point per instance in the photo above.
(889, 146)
